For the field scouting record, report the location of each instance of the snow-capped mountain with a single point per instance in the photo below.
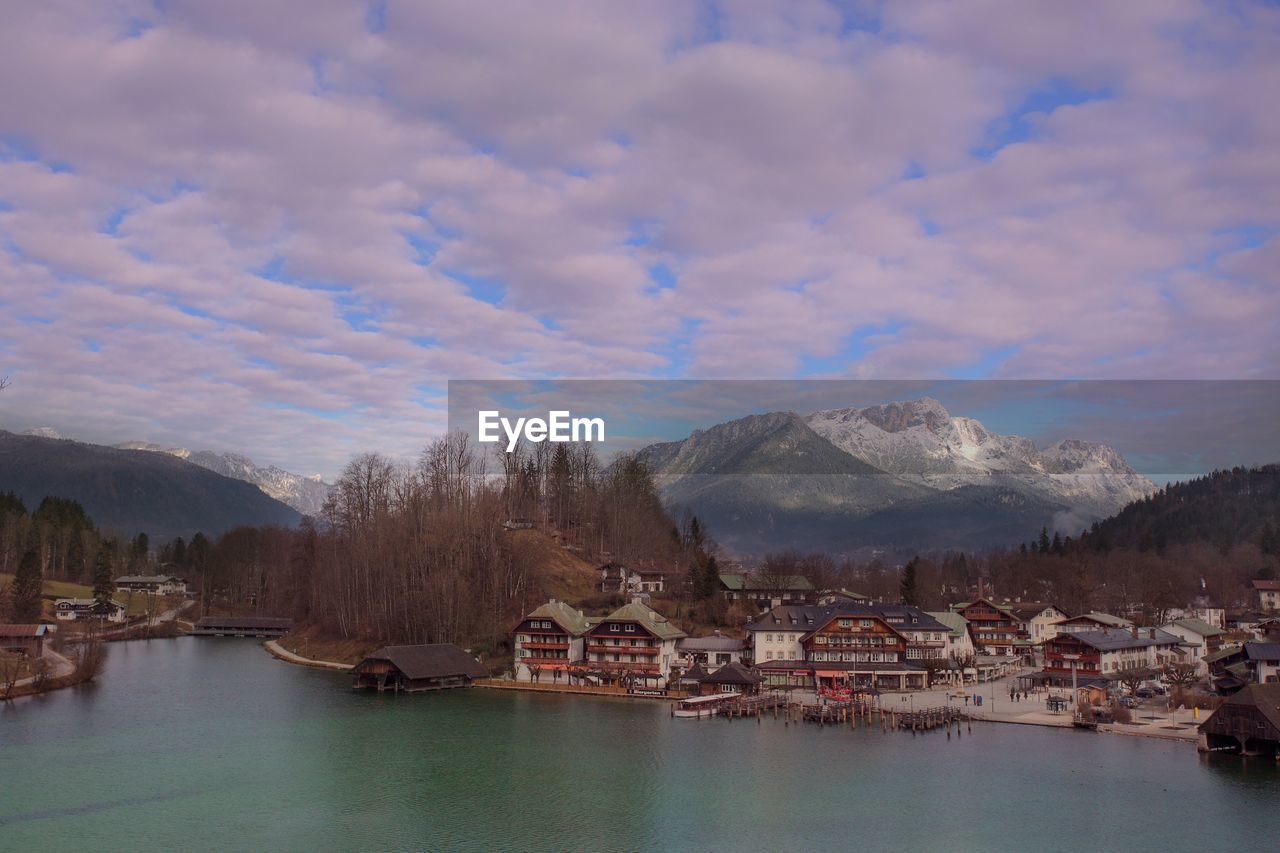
(921, 442)
(42, 432)
(305, 494)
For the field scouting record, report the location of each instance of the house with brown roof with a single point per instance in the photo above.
(23, 639)
(730, 678)
(1268, 592)
(414, 669)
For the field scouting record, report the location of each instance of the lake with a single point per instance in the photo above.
(210, 743)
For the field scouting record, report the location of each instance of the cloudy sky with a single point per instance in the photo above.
(280, 227)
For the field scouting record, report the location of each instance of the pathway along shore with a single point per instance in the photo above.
(281, 653)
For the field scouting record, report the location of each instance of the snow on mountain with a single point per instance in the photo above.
(305, 494)
(920, 441)
(43, 432)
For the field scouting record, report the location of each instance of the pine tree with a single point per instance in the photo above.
(908, 585)
(28, 583)
(103, 585)
(710, 577)
(1043, 546)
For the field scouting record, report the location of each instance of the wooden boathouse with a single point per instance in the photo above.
(414, 669)
(1248, 722)
(242, 626)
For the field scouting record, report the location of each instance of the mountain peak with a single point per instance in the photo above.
(43, 432)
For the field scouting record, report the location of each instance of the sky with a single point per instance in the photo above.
(279, 228)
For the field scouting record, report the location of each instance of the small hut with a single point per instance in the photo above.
(23, 639)
(731, 678)
(414, 669)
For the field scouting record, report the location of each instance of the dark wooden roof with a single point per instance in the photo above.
(1264, 697)
(23, 630)
(438, 660)
(272, 622)
(733, 673)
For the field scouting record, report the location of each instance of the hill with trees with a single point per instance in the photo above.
(133, 491)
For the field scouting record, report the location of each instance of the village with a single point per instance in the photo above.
(831, 656)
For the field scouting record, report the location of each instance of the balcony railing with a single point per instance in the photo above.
(618, 665)
(623, 650)
(538, 644)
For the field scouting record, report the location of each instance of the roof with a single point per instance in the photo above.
(146, 578)
(846, 593)
(1221, 654)
(1262, 651)
(1198, 626)
(711, 644)
(23, 630)
(1109, 640)
(810, 617)
(859, 666)
(753, 582)
(696, 673)
(244, 622)
(653, 621)
(954, 622)
(1027, 610)
(1264, 697)
(437, 660)
(83, 602)
(1267, 586)
(563, 615)
(1100, 618)
(733, 673)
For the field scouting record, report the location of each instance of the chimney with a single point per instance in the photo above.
(551, 601)
(1135, 632)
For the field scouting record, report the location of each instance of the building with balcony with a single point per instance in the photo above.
(993, 629)
(1199, 638)
(634, 645)
(549, 641)
(1108, 654)
(766, 591)
(710, 651)
(75, 609)
(1268, 592)
(627, 580)
(847, 645)
(152, 584)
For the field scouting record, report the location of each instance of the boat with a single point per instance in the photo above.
(697, 707)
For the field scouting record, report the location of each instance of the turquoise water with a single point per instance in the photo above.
(208, 743)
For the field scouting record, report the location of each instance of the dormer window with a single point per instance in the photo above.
(631, 628)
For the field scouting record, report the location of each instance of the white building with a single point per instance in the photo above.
(152, 584)
(615, 577)
(548, 642)
(75, 609)
(634, 643)
(959, 644)
(1199, 638)
(711, 652)
(1039, 620)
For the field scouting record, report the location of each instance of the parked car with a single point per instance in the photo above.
(1128, 701)
(1144, 693)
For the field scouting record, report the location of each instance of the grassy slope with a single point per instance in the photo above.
(135, 605)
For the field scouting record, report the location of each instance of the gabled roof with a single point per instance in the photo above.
(907, 618)
(563, 615)
(1267, 586)
(710, 644)
(1262, 651)
(1264, 697)
(147, 578)
(1028, 610)
(739, 582)
(696, 673)
(23, 630)
(1198, 626)
(438, 660)
(1221, 654)
(1100, 618)
(1110, 640)
(805, 617)
(954, 622)
(84, 602)
(733, 673)
(652, 621)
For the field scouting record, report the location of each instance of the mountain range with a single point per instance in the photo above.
(132, 491)
(305, 494)
(904, 475)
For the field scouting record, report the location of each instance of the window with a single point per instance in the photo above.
(768, 638)
(631, 628)
(615, 628)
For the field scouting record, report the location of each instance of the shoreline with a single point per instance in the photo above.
(280, 653)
